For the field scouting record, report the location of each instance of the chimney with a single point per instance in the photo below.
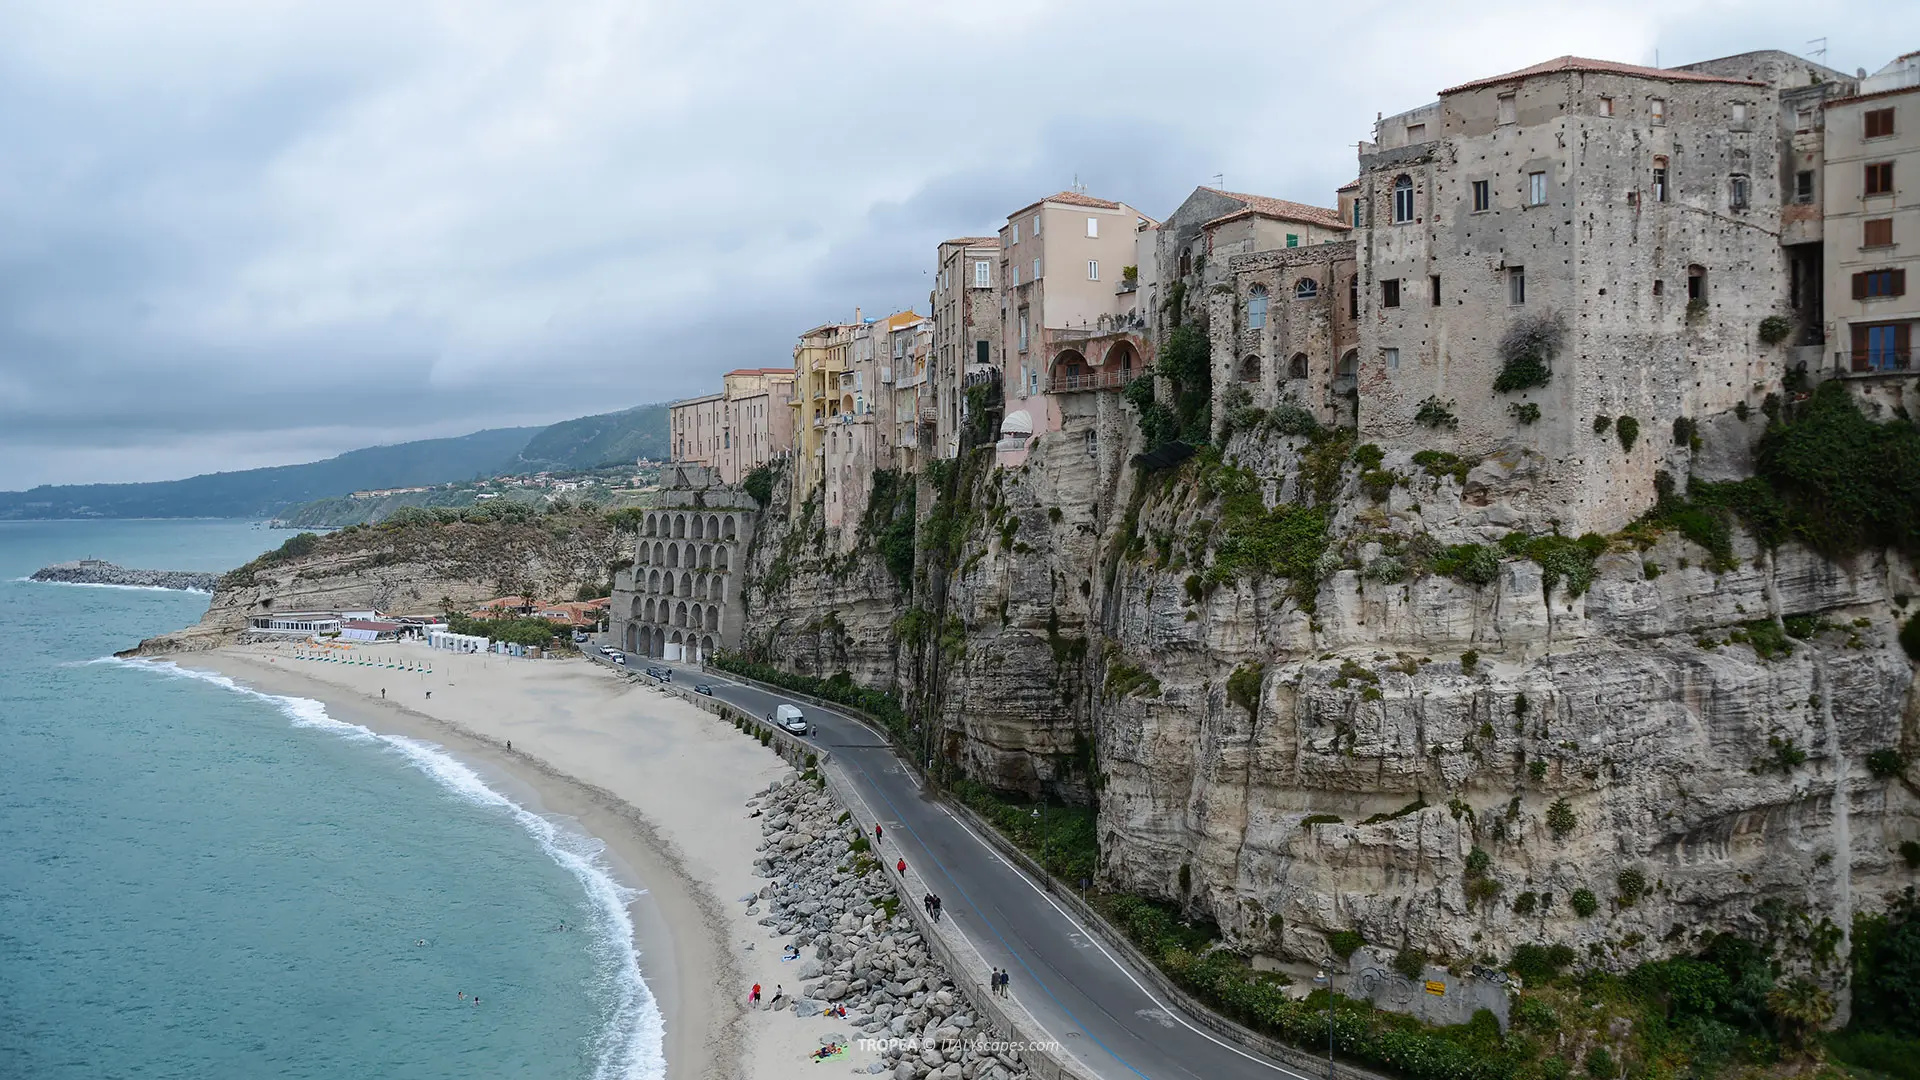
(856, 314)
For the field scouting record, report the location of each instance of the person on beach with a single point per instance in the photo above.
(901, 866)
(509, 746)
(429, 695)
(383, 693)
(754, 998)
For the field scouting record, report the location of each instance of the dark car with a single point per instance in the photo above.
(703, 688)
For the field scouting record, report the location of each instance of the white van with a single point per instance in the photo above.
(790, 720)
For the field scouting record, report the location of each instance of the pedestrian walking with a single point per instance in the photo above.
(1005, 978)
(876, 834)
(901, 866)
(754, 998)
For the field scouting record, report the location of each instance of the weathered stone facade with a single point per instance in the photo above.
(1285, 333)
(682, 597)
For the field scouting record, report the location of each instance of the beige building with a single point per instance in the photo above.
(818, 361)
(1631, 214)
(967, 336)
(860, 435)
(1071, 324)
(756, 420)
(1872, 212)
(695, 429)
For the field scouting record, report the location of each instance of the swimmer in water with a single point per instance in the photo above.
(419, 943)
(463, 995)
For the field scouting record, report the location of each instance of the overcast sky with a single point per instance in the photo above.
(264, 231)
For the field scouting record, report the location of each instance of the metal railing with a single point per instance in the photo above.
(1873, 362)
(1096, 380)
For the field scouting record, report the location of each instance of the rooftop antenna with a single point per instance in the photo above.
(1219, 179)
(1817, 49)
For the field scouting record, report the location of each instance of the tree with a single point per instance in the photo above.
(1801, 1007)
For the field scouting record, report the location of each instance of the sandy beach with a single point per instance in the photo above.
(661, 782)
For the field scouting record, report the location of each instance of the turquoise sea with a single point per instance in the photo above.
(201, 881)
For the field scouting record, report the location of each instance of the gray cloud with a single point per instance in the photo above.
(243, 236)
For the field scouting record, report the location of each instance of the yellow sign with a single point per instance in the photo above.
(1437, 989)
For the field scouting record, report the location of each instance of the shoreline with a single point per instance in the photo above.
(647, 775)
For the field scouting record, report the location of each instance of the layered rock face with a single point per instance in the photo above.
(406, 570)
(96, 572)
(1428, 762)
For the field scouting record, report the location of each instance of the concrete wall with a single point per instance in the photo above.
(1848, 208)
(684, 587)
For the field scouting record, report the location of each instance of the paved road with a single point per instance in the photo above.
(1080, 994)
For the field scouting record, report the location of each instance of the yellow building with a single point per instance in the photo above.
(822, 354)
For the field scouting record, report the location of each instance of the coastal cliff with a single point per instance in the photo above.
(1317, 692)
(415, 563)
(97, 572)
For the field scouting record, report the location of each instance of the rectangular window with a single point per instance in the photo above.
(1880, 178)
(1356, 213)
(1023, 329)
(1657, 110)
(1482, 196)
(1877, 232)
(981, 354)
(1416, 133)
(1516, 284)
(1739, 112)
(1016, 276)
(1879, 123)
(1390, 292)
(1803, 119)
(1036, 224)
(1659, 179)
(1606, 106)
(1887, 347)
(1803, 186)
(982, 275)
(1433, 289)
(1093, 269)
(1536, 189)
(1353, 297)
(1093, 227)
(1036, 269)
(1870, 284)
(1293, 240)
(1392, 357)
(1738, 192)
(1016, 233)
(1507, 111)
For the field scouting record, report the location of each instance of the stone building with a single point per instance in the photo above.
(1286, 334)
(1629, 214)
(694, 428)
(681, 598)
(757, 420)
(818, 360)
(1071, 326)
(1193, 245)
(1872, 220)
(858, 436)
(967, 335)
(910, 404)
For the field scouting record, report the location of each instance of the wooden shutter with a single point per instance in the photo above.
(1899, 287)
(1859, 286)
(1902, 345)
(1859, 340)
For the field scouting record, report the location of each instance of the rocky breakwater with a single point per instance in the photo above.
(834, 898)
(98, 572)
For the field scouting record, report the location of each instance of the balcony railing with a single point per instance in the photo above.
(1873, 362)
(930, 411)
(1096, 380)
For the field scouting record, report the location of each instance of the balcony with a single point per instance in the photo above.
(929, 412)
(1091, 380)
(1872, 362)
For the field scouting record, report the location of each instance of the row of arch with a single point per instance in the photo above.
(666, 612)
(671, 554)
(1071, 364)
(653, 641)
(1298, 367)
(664, 583)
(690, 526)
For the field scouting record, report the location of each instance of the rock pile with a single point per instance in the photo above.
(835, 900)
(96, 572)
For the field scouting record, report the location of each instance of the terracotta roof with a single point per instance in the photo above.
(1071, 198)
(1561, 64)
(970, 241)
(1349, 185)
(1869, 97)
(1282, 209)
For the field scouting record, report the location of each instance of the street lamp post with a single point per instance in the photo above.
(1325, 978)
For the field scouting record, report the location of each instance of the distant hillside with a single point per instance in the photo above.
(259, 493)
(593, 441)
(584, 443)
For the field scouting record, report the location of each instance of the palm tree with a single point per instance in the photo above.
(1801, 1007)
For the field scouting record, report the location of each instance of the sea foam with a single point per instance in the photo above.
(110, 585)
(630, 1043)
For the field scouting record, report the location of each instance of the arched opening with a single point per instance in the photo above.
(659, 648)
(846, 404)
(706, 645)
(713, 526)
(686, 584)
(1402, 199)
(718, 591)
(720, 559)
(634, 609)
(1306, 289)
(680, 526)
(1121, 358)
(666, 584)
(659, 553)
(1297, 367)
(642, 555)
(706, 556)
(653, 524)
(694, 615)
(673, 555)
(1069, 371)
(728, 527)
(713, 619)
(1349, 367)
(1250, 369)
(633, 639)
(653, 581)
(697, 525)
(1256, 307)
(680, 614)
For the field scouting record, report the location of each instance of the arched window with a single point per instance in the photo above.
(1256, 307)
(1297, 367)
(1250, 369)
(1306, 289)
(1403, 199)
(1349, 365)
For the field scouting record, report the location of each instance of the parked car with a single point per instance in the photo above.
(664, 674)
(703, 688)
(790, 720)
(616, 656)
(606, 650)
(580, 637)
